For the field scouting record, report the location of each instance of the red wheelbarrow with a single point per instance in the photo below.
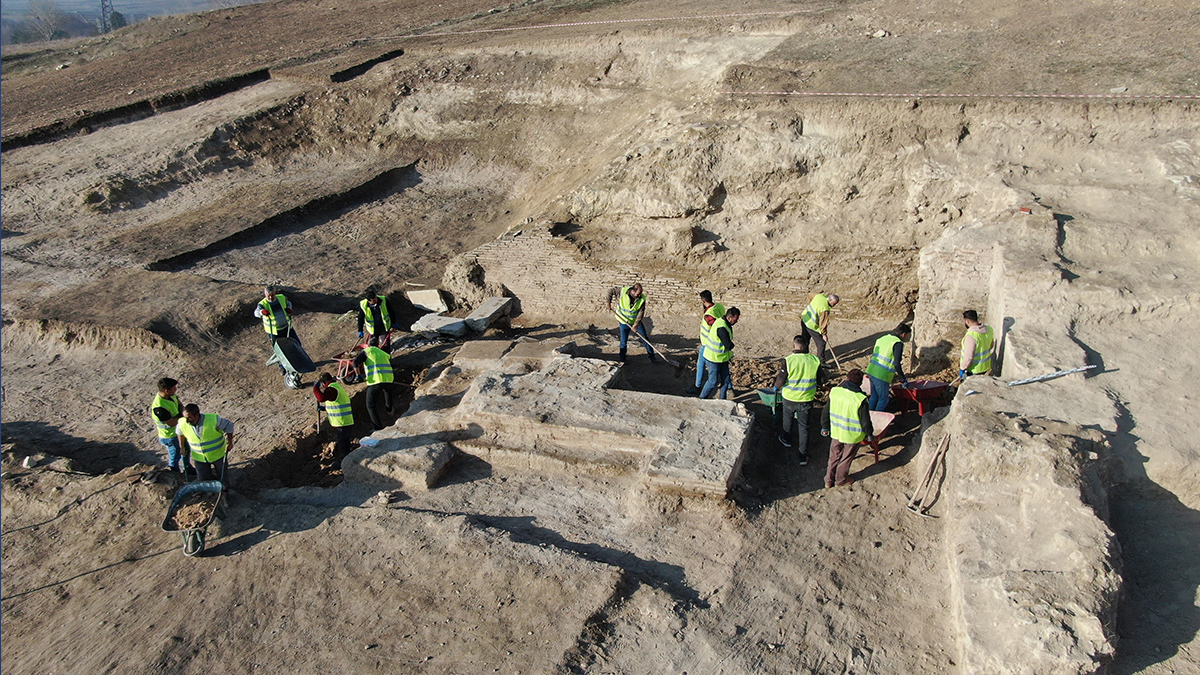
(922, 392)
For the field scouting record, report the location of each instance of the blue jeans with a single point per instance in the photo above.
(718, 373)
(701, 365)
(881, 393)
(625, 336)
(173, 454)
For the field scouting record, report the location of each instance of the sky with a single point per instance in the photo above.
(15, 9)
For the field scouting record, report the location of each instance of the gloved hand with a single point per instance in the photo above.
(360, 335)
(962, 374)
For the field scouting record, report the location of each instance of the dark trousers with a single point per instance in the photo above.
(210, 470)
(840, 456)
(818, 341)
(379, 401)
(798, 412)
(342, 436)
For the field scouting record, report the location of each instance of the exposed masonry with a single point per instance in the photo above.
(547, 274)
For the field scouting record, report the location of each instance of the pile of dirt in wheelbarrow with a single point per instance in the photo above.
(194, 510)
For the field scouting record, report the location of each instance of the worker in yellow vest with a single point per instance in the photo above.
(814, 321)
(886, 366)
(711, 311)
(797, 380)
(275, 310)
(333, 397)
(375, 366)
(630, 310)
(977, 347)
(166, 410)
(209, 438)
(718, 349)
(373, 315)
(847, 422)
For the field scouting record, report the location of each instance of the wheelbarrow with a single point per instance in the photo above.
(773, 400)
(193, 537)
(292, 358)
(922, 392)
(880, 422)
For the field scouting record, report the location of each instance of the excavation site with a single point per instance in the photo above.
(512, 483)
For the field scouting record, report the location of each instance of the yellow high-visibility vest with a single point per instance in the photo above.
(369, 321)
(981, 358)
(627, 309)
(715, 351)
(172, 406)
(209, 446)
(274, 321)
(338, 410)
(378, 366)
(717, 311)
(812, 314)
(882, 365)
(844, 424)
(801, 377)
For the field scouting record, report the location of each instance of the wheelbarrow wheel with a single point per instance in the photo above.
(292, 380)
(193, 543)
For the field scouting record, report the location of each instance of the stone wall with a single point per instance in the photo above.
(548, 275)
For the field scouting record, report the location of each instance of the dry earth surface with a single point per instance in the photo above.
(147, 194)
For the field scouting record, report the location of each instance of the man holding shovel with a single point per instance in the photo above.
(797, 380)
(630, 310)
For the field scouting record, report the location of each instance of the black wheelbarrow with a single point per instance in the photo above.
(292, 358)
(193, 536)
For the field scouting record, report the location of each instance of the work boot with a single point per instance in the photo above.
(653, 358)
(803, 459)
(785, 441)
(621, 356)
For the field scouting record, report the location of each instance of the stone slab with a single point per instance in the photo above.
(444, 325)
(481, 354)
(431, 300)
(489, 311)
(411, 462)
(566, 411)
(538, 354)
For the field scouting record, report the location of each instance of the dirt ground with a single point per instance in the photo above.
(135, 243)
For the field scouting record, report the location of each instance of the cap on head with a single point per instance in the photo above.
(855, 376)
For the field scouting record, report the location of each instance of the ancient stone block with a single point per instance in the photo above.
(430, 299)
(446, 325)
(489, 311)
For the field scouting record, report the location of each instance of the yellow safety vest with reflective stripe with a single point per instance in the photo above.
(338, 410)
(715, 351)
(844, 424)
(882, 366)
(378, 366)
(369, 321)
(717, 311)
(209, 446)
(274, 321)
(801, 377)
(812, 314)
(981, 360)
(627, 309)
(172, 406)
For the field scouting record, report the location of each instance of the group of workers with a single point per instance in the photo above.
(846, 420)
(197, 444)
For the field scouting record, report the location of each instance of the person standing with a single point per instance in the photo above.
(209, 439)
(166, 410)
(375, 366)
(276, 313)
(977, 347)
(798, 378)
(373, 315)
(886, 365)
(631, 309)
(711, 312)
(718, 349)
(814, 322)
(333, 397)
(847, 421)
